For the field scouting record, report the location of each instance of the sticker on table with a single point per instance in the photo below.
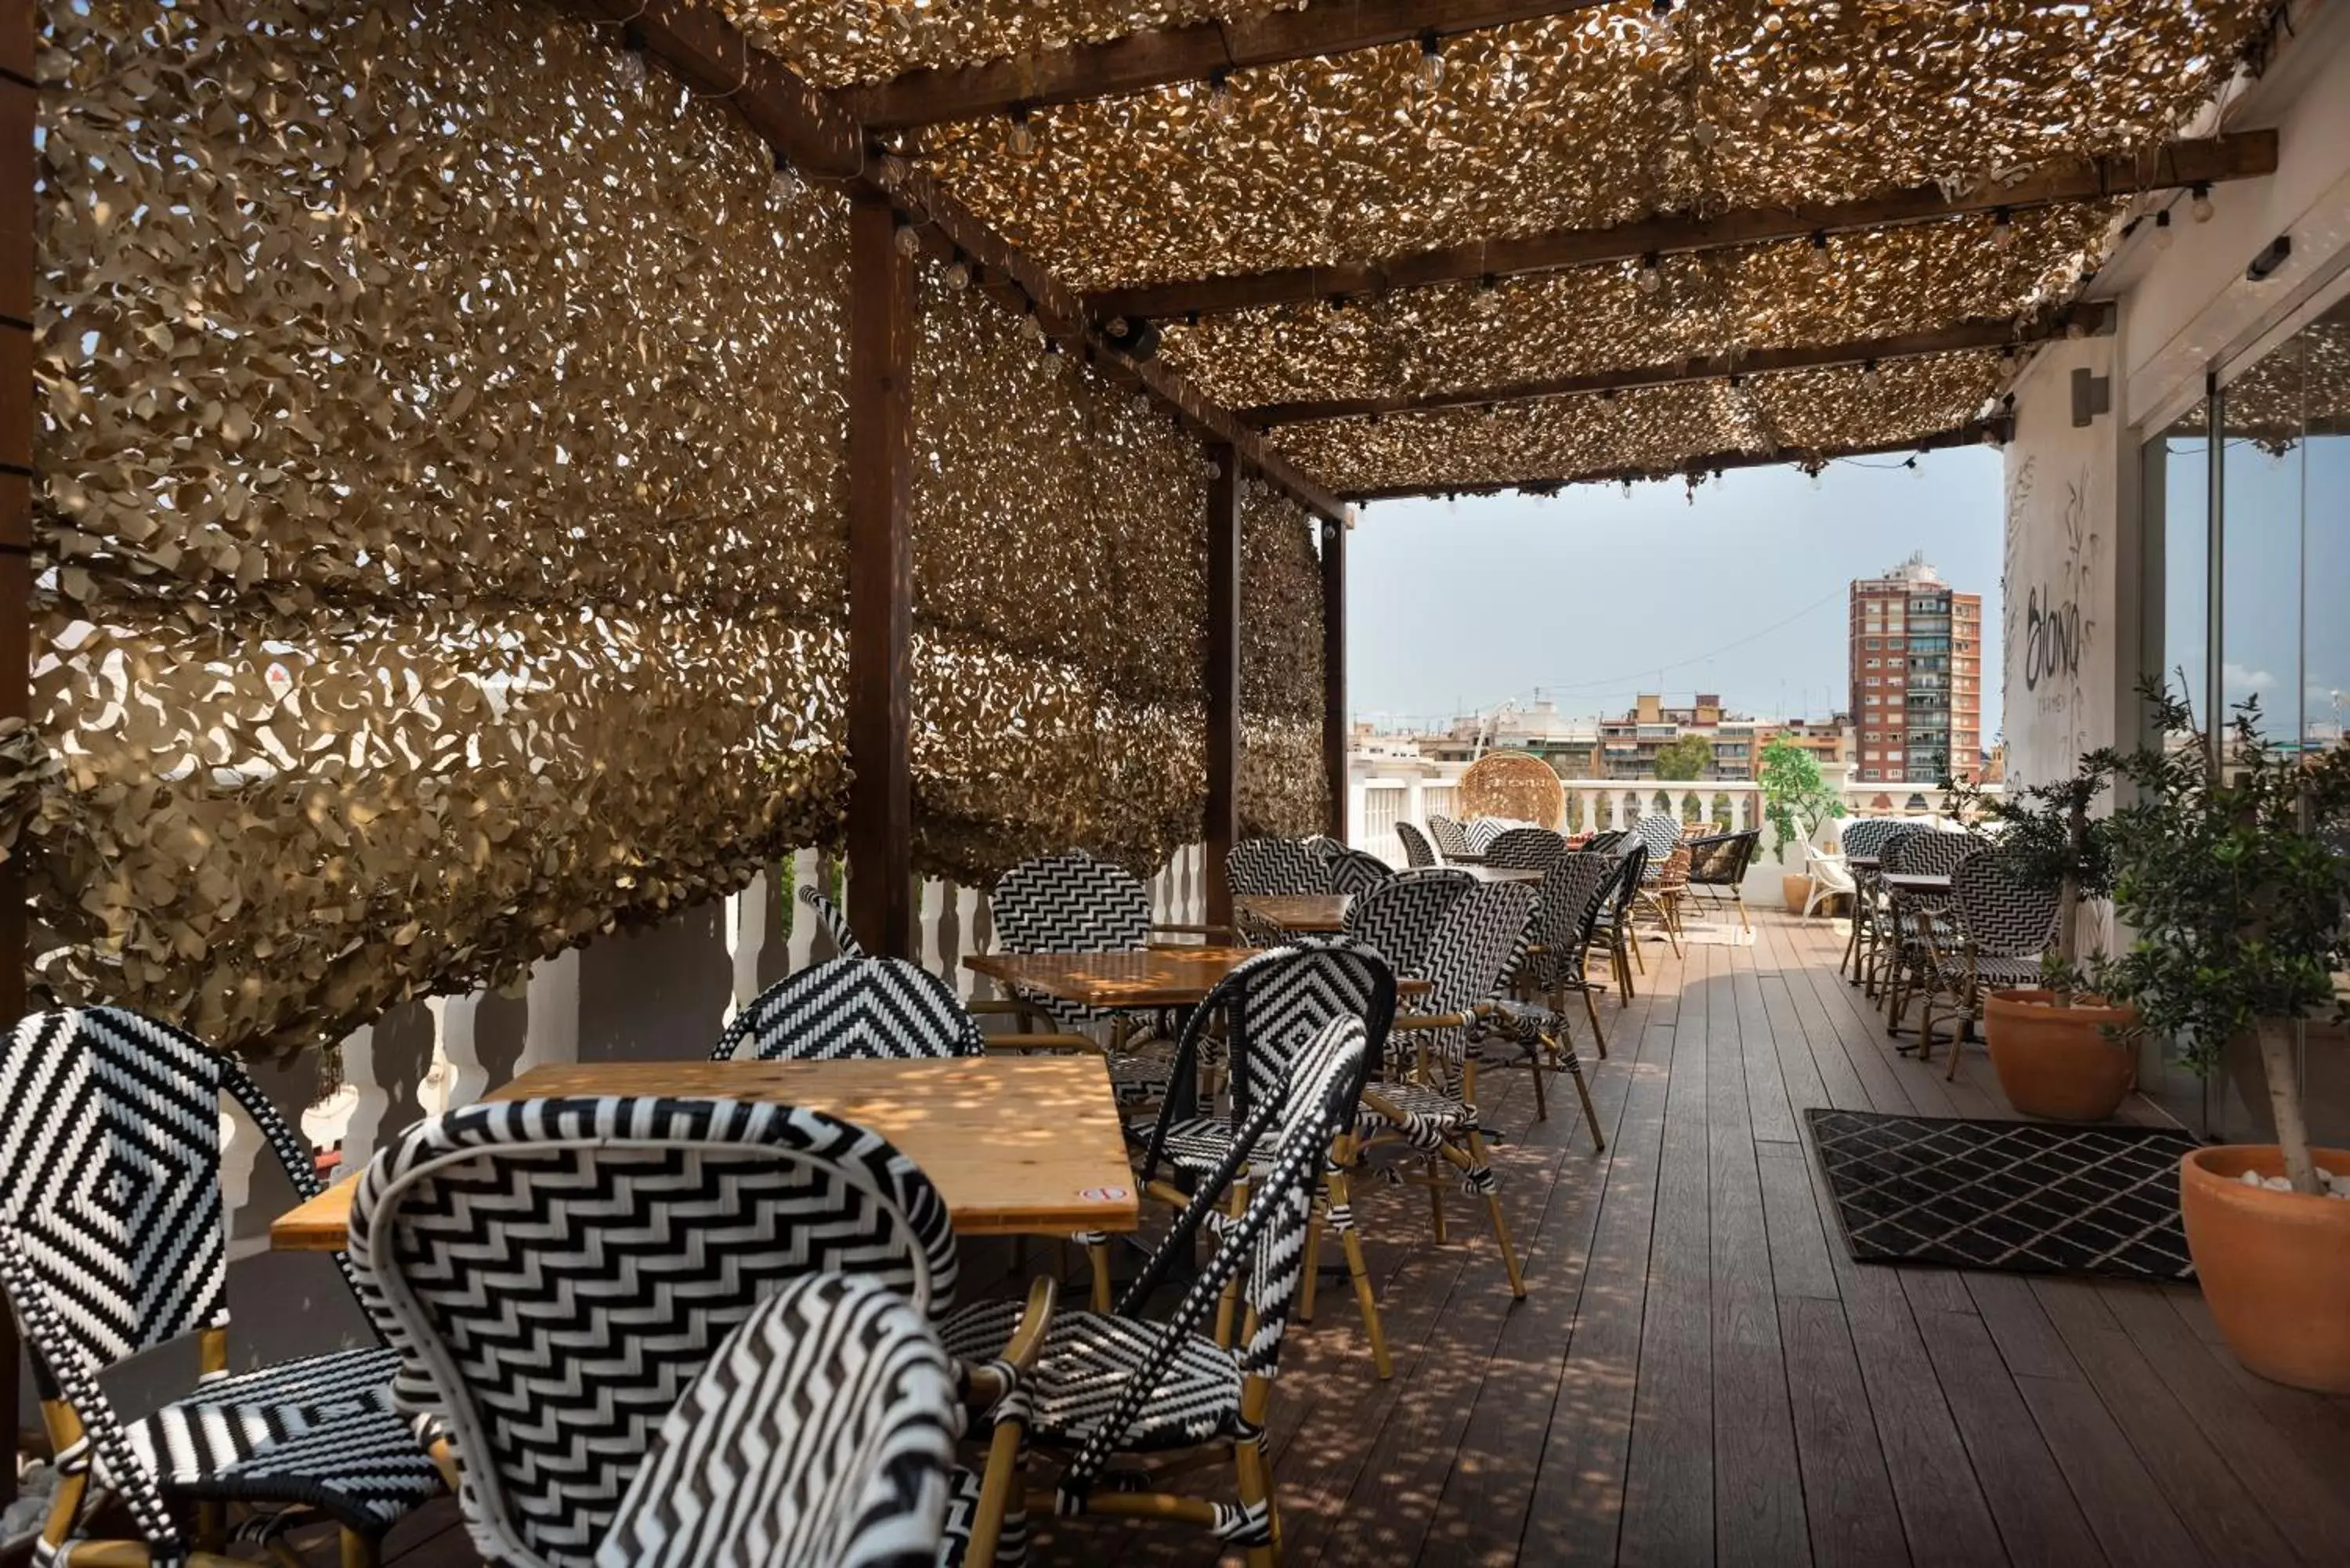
(1105, 1195)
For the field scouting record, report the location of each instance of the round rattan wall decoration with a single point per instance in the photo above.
(1516, 784)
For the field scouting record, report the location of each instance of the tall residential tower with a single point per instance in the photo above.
(1917, 677)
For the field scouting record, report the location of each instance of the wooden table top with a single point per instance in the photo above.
(1503, 873)
(1297, 911)
(1016, 1145)
(1151, 977)
(1917, 882)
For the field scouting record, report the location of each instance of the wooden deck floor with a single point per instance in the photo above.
(1700, 1374)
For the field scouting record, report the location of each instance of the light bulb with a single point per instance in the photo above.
(1816, 479)
(1628, 489)
(1650, 278)
(1220, 99)
(1869, 377)
(634, 73)
(1705, 133)
(2162, 236)
(1431, 61)
(907, 240)
(783, 187)
(1142, 402)
(1819, 256)
(1023, 139)
(1031, 327)
(2002, 230)
(958, 275)
(2200, 207)
(1659, 22)
(1116, 326)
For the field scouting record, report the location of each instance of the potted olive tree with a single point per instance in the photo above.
(2236, 901)
(2061, 1051)
(1795, 800)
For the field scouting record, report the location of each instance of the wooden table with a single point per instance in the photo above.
(1016, 1145)
(1917, 882)
(1503, 873)
(1314, 912)
(1145, 977)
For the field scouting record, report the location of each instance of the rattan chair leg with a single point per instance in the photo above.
(1435, 1200)
(1738, 896)
(1590, 1113)
(1360, 1273)
(1591, 1006)
(1500, 1225)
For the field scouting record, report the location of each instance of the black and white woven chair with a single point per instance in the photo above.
(1569, 901)
(1717, 867)
(1607, 840)
(1271, 1008)
(1353, 871)
(821, 1434)
(1918, 922)
(833, 921)
(1451, 838)
(859, 1008)
(1526, 850)
(1157, 1398)
(1397, 918)
(1615, 933)
(554, 1273)
(2002, 930)
(1483, 830)
(1428, 1100)
(1417, 849)
(111, 1243)
(1865, 840)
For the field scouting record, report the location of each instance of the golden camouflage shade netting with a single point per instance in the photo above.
(1060, 593)
(1651, 431)
(1284, 788)
(1593, 320)
(441, 435)
(1584, 119)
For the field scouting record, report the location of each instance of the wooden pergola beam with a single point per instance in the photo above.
(1335, 740)
(1975, 433)
(2240, 155)
(824, 142)
(1141, 61)
(1220, 829)
(1954, 339)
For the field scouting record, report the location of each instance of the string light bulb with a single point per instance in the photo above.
(1030, 325)
(1431, 61)
(958, 275)
(1650, 276)
(1659, 22)
(2162, 236)
(1819, 256)
(907, 239)
(1219, 98)
(2002, 229)
(1024, 136)
(2200, 206)
(1705, 133)
(1869, 376)
(634, 72)
(784, 186)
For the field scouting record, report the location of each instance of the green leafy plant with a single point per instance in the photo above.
(2235, 896)
(1686, 758)
(2051, 842)
(1796, 795)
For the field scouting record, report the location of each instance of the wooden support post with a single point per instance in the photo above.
(1335, 738)
(880, 579)
(18, 102)
(1222, 828)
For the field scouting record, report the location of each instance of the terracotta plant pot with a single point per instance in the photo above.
(2059, 1061)
(1795, 888)
(2275, 1266)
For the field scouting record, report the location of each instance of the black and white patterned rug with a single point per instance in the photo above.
(2027, 1197)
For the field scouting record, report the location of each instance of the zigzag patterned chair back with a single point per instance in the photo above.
(1069, 903)
(1659, 834)
(1483, 830)
(1451, 838)
(111, 1233)
(859, 1008)
(1865, 840)
(1396, 919)
(1924, 852)
(1468, 957)
(1612, 838)
(1417, 850)
(1264, 1249)
(1633, 854)
(2001, 916)
(1355, 871)
(1568, 903)
(822, 1431)
(834, 921)
(1259, 867)
(1526, 850)
(554, 1272)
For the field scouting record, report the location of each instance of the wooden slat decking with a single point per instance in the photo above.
(1700, 1374)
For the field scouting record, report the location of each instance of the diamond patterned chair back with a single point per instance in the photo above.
(1417, 850)
(1483, 830)
(1265, 1248)
(110, 1234)
(1659, 833)
(1526, 850)
(1260, 867)
(833, 921)
(554, 1272)
(821, 1432)
(1451, 838)
(1069, 903)
(1355, 871)
(1396, 919)
(1927, 852)
(1568, 902)
(860, 1008)
(1468, 956)
(2003, 918)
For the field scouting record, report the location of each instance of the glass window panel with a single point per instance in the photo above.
(2325, 592)
(2177, 483)
(2260, 544)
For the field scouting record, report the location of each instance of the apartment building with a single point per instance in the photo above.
(1917, 677)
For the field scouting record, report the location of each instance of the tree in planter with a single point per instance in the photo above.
(2235, 898)
(1796, 795)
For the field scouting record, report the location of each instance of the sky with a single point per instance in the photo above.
(1594, 597)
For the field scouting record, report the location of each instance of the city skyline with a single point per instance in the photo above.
(1591, 598)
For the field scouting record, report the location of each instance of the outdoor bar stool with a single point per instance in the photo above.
(1718, 865)
(1417, 849)
(2001, 929)
(666, 1221)
(111, 1243)
(1128, 1403)
(822, 1431)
